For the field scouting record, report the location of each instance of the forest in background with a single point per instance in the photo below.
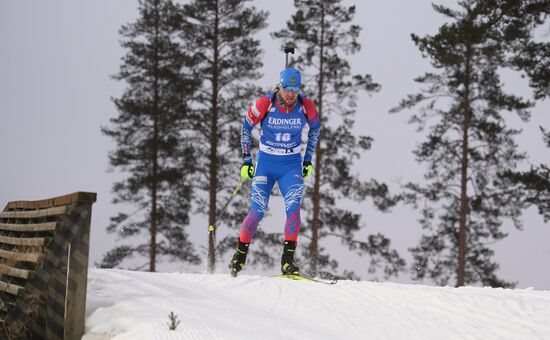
(178, 132)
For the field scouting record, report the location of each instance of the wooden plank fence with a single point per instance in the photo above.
(44, 248)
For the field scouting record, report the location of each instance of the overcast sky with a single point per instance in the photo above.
(56, 59)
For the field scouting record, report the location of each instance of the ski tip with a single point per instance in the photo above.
(307, 279)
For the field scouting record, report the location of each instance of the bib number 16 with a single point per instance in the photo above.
(282, 137)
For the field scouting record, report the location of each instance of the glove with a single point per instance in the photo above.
(247, 170)
(307, 169)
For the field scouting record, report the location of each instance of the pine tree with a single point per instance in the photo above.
(324, 34)
(220, 34)
(532, 57)
(150, 144)
(535, 183)
(520, 19)
(468, 144)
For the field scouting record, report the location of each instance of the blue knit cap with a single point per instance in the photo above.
(291, 80)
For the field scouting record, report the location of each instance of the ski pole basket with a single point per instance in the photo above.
(44, 249)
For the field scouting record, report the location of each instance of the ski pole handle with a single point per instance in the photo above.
(289, 48)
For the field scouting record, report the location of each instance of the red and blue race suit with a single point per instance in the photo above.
(279, 159)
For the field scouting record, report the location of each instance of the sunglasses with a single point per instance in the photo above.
(294, 89)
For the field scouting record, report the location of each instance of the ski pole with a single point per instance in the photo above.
(211, 228)
(288, 49)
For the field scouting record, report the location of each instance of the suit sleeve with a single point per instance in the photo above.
(254, 115)
(314, 128)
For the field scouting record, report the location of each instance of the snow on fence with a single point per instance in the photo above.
(44, 249)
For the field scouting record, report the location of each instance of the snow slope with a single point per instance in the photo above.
(135, 305)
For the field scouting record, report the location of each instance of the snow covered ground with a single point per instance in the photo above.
(135, 305)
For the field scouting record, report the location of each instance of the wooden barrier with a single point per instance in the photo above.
(44, 249)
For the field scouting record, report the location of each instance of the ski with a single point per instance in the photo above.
(308, 279)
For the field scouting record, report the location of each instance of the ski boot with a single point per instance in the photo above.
(238, 260)
(288, 267)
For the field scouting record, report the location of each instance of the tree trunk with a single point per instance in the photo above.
(153, 250)
(462, 232)
(316, 198)
(213, 151)
(154, 156)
